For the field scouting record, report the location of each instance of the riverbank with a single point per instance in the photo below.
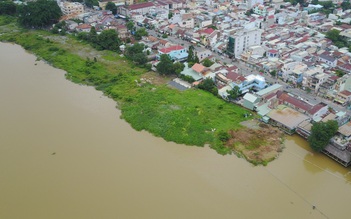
(191, 117)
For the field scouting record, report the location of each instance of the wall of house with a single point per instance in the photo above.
(320, 113)
(189, 23)
(205, 23)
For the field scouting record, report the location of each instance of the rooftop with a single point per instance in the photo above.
(287, 116)
(140, 5)
(198, 67)
(268, 89)
(170, 49)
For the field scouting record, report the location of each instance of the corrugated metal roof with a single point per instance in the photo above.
(250, 97)
(268, 89)
(287, 116)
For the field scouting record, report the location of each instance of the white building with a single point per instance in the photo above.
(245, 38)
(69, 8)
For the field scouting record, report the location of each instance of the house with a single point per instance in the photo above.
(122, 31)
(250, 101)
(328, 59)
(70, 8)
(315, 81)
(251, 82)
(343, 97)
(192, 73)
(345, 67)
(272, 53)
(203, 53)
(83, 28)
(176, 53)
(140, 8)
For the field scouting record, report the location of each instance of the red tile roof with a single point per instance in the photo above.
(140, 5)
(171, 48)
(316, 108)
(235, 77)
(208, 31)
(295, 102)
(346, 93)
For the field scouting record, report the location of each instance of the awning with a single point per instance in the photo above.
(339, 101)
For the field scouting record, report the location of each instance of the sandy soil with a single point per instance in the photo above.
(259, 143)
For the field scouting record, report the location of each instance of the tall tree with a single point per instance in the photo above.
(165, 66)
(234, 93)
(7, 7)
(112, 7)
(91, 3)
(130, 25)
(108, 39)
(39, 13)
(140, 33)
(136, 54)
(321, 133)
(208, 85)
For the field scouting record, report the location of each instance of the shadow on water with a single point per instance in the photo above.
(315, 162)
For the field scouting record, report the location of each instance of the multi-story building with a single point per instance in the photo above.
(69, 8)
(141, 8)
(242, 39)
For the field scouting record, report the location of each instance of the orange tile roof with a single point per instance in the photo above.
(198, 67)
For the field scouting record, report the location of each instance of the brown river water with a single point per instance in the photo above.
(65, 153)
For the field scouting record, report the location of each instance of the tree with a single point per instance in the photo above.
(178, 67)
(321, 133)
(207, 63)
(339, 73)
(345, 5)
(112, 7)
(170, 15)
(108, 39)
(165, 66)
(91, 3)
(92, 36)
(140, 58)
(140, 33)
(39, 13)
(7, 7)
(273, 73)
(334, 35)
(130, 25)
(136, 54)
(208, 85)
(234, 93)
(191, 55)
(133, 50)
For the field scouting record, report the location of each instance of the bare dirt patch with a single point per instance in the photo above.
(259, 143)
(155, 78)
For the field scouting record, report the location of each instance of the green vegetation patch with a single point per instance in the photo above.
(192, 117)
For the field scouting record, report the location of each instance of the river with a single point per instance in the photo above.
(65, 153)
